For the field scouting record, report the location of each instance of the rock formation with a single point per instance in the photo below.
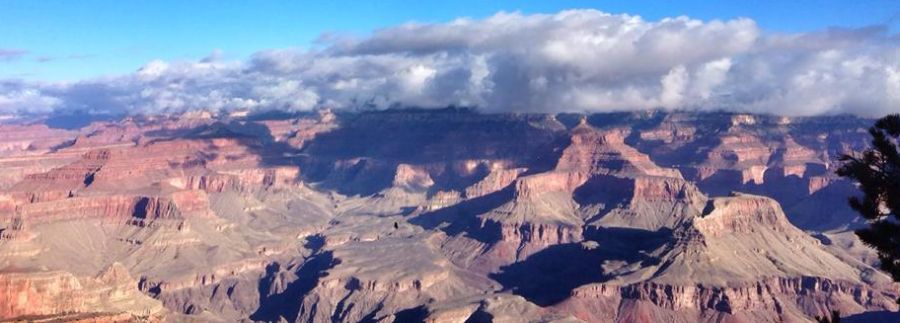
(435, 216)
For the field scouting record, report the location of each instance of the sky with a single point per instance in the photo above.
(71, 40)
(135, 55)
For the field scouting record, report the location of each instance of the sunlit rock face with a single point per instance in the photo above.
(433, 215)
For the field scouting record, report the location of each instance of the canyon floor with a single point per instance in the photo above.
(436, 216)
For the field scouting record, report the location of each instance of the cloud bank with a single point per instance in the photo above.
(578, 60)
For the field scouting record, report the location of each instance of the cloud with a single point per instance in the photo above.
(46, 58)
(14, 97)
(10, 54)
(576, 60)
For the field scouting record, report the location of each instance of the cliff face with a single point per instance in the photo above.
(433, 216)
(788, 159)
(768, 300)
(605, 152)
(56, 293)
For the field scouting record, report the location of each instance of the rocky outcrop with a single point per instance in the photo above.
(534, 185)
(59, 182)
(654, 189)
(57, 293)
(772, 299)
(202, 278)
(412, 178)
(741, 214)
(18, 139)
(745, 262)
(644, 202)
(493, 307)
(243, 180)
(496, 180)
(740, 151)
(817, 183)
(605, 153)
(744, 238)
(115, 208)
(351, 276)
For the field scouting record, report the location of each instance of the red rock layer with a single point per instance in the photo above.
(774, 299)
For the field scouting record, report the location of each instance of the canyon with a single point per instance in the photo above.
(447, 215)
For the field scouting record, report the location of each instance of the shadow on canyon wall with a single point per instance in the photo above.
(872, 317)
(361, 156)
(257, 138)
(462, 218)
(549, 276)
(278, 302)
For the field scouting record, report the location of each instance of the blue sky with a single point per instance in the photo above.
(73, 40)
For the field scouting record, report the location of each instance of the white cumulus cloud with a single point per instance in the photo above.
(576, 60)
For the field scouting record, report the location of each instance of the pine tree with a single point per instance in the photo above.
(877, 170)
